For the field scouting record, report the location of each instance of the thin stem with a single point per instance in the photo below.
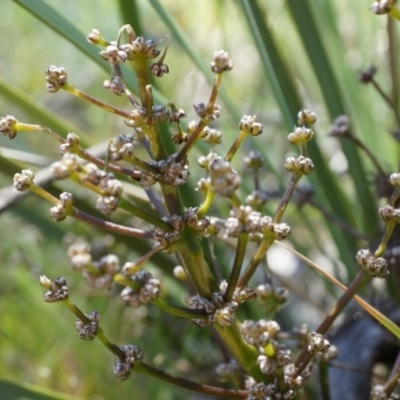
(256, 260)
(203, 123)
(393, 378)
(296, 175)
(205, 206)
(43, 193)
(367, 151)
(110, 226)
(85, 96)
(237, 265)
(143, 214)
(129, 172)
(235, 146)
(324, 380)
(148, 370)
(305, 357)
(178, 311)
(339, 222)
(100, 333)
(191, 140)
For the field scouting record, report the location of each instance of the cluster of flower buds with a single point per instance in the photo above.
(79, 255)
(207, 114)
(60, 211)
(378, 392)
(380, 7)
(23, 180)
(301, 164)
(57, 289)
(64, 168)
(317, 343)
(376, 266)
(227, 371)
(172, 172)
(221, 62)
(264, 391)
(259, 333)
(111, 192)
(249, 125)
(132, 356)
(300, 135)
(148, 289)
(121, 147)
(7, 126)
(280, 231)
(88, 331)
(210, 136)
(283, 356)
(217, 309)
(267, 292)
(99, 274)
(390, 214)
(56, 78)
(223, 180)
(340, 127)
(70, 145)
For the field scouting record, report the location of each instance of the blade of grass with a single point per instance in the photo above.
(308, 32)
(386, 322)
(289, 103)
(130, 14)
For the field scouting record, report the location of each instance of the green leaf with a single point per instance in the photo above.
(327, 186)
(16, 391)
(330, 88)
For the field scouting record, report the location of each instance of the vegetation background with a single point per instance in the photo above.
(322, 45)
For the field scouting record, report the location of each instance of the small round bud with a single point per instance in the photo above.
(249, 125)
(340, 127)
(367, 75)
(300, 135)
(159, 70)
(94, 37)
(317, 343)
(180, 273)
(306, 117)
(380, 7)
(221, 62)
(394, 179)
(58, 213)
(45, 281)
(8, 126)
(23, 180)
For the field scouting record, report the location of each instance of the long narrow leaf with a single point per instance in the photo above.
(308, 33)
(289, 103)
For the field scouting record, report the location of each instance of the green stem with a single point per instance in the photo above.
(195, 265)
(100, 333)
(256, 260)
(85, 96)
(237, 265)
(143, 214)
(296, 175)
(235, 146)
